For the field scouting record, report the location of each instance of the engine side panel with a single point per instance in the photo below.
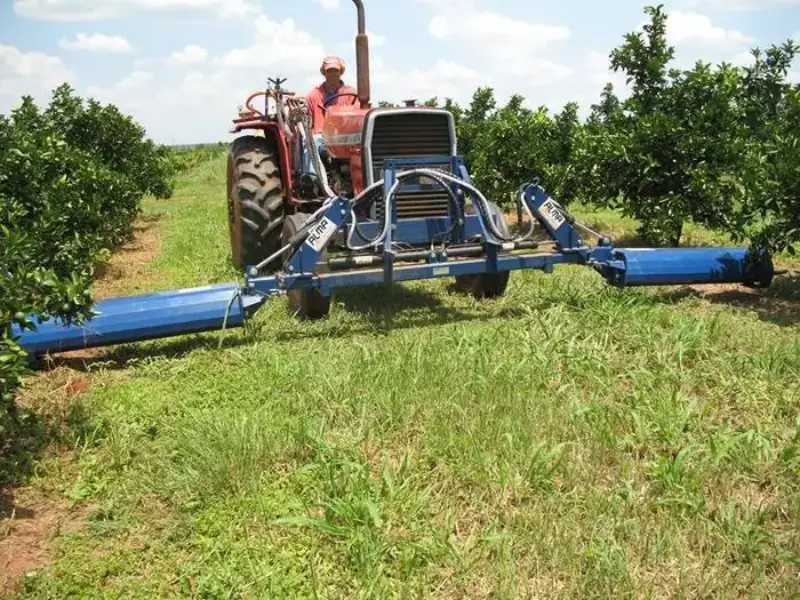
(342, 131)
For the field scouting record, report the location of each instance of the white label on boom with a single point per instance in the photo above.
(319, 235)
(552, 214)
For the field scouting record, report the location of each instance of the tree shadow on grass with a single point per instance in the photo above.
(23, 442)
(28, 435)
(379, 310)
(779, 304)
(123, 356)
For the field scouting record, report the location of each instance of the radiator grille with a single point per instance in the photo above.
(409, 135)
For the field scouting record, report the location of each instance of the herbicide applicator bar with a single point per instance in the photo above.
(393, 250)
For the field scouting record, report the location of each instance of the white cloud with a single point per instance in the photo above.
(97, 42)
(741, 59)
(512, 55)
(135, 81)
(599, 72)
(497, 33)
(375, 40)
(694, 28)
(276, 44)
(92, 10)
(191, 54)
(124, 93)
(197, 83)
(512, 48)
(329, 4)
(741, 5)
(445, 79)
(143, 63)
(29, 73)
(595, 72)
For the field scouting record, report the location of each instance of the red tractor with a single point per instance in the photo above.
(271, 190)
(387, 200)
(267, 181)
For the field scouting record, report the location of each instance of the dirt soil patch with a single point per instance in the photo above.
(29, 521)
(130, 262)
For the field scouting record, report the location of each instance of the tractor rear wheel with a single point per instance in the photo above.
(256, 207)
(306, 303)
(487, 285)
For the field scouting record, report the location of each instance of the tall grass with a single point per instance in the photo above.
(569, 440)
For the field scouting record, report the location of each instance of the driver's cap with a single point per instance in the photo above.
(332, 62)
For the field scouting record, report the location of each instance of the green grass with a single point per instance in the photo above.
(566, 441)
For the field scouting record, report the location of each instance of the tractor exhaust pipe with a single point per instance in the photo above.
(362, 56)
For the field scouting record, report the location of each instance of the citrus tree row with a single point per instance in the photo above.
(715, 145)
(71, 178)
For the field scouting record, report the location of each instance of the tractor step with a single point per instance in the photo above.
(143, 317)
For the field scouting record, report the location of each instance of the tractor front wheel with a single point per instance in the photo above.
(487, 285)
(306, 303)
(256, 208)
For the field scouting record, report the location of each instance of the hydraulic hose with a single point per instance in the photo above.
(497, 238)
(311, 147)
(435, 175)
(484, 203)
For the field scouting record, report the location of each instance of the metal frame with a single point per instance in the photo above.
(369, 127)
(620, 267)
(368, 130)
(300, 272)
(472, 251)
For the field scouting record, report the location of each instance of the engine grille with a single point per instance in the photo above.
(407, 135)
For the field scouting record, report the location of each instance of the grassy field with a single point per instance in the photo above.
(566, 441)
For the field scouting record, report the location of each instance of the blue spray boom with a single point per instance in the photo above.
(397, 250)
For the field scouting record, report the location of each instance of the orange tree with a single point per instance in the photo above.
(772, 113)
(671, 151)
(511, 145)
(71, 179)
(714, 145)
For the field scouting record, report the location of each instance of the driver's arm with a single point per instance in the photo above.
(312, 102)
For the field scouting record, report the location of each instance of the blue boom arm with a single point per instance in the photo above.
(171, 313)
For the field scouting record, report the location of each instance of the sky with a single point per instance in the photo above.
(182, 68)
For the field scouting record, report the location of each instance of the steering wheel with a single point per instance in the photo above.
(332, 98)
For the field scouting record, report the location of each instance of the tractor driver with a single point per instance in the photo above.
(333, 69)
(321, 97)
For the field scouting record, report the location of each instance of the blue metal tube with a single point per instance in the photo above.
(676, 266)
(209, 308)
(143, 317)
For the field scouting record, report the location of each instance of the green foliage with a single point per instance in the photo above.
(71, 178)
(712, 145)
(186, 159)
(666, 153)
(511, 145)
(772, 113)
